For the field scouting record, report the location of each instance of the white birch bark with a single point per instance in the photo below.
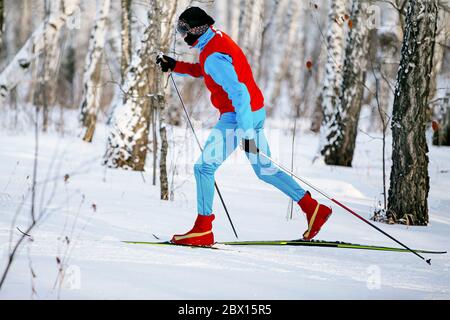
(318, 55)
(125, 36)
(389, 40)
(298, 72)
(342, 129)
(130, 121)
(127, 144)
(443, 33)
(2, 22)
(266, 56)
(167, 21)
(16, 70)
(221, 14)
(289, 55)
(251, 27)
(92, 89)
(441, 111)
(333, 70)
(234, 15)
(139, 22)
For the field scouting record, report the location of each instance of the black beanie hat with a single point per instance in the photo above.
(195, 17)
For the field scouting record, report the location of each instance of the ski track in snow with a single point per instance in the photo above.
(127, 208)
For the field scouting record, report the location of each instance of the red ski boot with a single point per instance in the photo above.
(316, 214)
(200, 235)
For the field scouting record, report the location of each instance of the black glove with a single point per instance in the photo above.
(166, 63)
(250, 146)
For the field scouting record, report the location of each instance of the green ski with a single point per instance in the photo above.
(320, 243)
(300, 242)
(168, 243)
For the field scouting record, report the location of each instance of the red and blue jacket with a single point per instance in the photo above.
(227, 75)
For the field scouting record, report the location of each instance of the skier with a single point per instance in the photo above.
(228, 76)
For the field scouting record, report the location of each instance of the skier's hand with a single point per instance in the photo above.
(249, 146)
(166, 63)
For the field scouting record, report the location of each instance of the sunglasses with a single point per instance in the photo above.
(183, 28)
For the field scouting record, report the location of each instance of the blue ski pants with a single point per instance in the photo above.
(221, 143)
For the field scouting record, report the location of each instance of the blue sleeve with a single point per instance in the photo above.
(219, 66)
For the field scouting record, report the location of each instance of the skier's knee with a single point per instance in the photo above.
(266, 173)
(263, 177)
(204, 168)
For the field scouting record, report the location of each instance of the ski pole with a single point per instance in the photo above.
(342, 205)
(201, 148)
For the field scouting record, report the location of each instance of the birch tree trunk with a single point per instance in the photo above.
(168, 10)
(128, 136)
(333, 70)
(266, 55)
(276, 35)
(250, 29)
(409, 183)
(442, 34)
(2, 23)
(221, 14)
(31, 13)
(287, 56)
(317, 51)
(342, 132)
(388, 41)
(16, 70)
(441, 122)
(48, 67)
(92, 89)
(441, 112)
(299, 75)
(127, 143)
(234, 16)
(125, 35)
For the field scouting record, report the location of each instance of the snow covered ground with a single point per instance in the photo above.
(95, 208)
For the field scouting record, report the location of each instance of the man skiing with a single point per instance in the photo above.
(228, 76)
